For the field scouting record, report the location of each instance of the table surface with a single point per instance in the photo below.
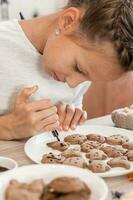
(15, 150)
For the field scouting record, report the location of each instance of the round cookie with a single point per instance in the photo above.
(60, 146)
(97, 166)
(128, 145)
(129, 155)
(113, 151)
(96, 154)
(65, 185)
(96, 137)
(75, 139)
(72, 152)
(86, 147)
(52, 159)
(75, 161)
(94, 144)
(119, 162)
(117, 139)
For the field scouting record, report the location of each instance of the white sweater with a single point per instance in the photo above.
(20, 66)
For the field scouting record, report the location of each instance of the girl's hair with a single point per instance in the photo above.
(112, 20)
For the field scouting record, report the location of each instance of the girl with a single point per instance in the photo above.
(88, 40)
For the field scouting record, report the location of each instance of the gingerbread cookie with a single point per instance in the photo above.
(119, 162)
(75, 161)
(128, 145)
(52, 158)
(75, 139)
(98, 166)
(96, 154)
(60, 146)
(117, 139)
(72, 152)
(96, 137)
(113, 151)
(129, 155)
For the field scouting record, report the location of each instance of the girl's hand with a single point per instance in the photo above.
(70, 117)
(29, 118)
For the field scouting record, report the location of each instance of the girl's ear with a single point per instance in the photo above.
(69, 19)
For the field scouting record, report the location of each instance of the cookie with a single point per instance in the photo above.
(75, 161)
(96, 154)
(117, 139)
(119, 162)
(86, 147)
(129, 155)
(75, 139)
(72, 152)
(60, 146)
(74, 196)
(96, 137)
(94, 144)
(113, 151)
(98, 166)
(66, 185)
(51, 158)
(128, 145)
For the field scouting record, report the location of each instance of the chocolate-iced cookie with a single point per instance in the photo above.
(96, 154)
(129, 155)
(52, 158)
(60, 146)
(72, 152)
(75, 161)
(113, 151)
(96, 137)
(75, 139)
(119, 162)
(117, 139)
(98, 166)
(128, 145)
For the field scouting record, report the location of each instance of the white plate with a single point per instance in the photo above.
(36, 146)
(49, 172)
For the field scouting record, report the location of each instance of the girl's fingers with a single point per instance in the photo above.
(50, 127)
(61, 110)
(40, 115)
(70, 110)
(24, 95)
(50, 120)
(76, 118)
(40, 105)
(83, 118)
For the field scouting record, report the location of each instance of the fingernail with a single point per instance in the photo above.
(73, 126)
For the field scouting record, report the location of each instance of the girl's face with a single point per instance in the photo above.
(75, 61)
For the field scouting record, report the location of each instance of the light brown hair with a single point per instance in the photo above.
(111, 20)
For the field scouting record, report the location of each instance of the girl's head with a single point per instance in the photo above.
(92, 40)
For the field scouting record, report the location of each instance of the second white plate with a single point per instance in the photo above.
(36, 146)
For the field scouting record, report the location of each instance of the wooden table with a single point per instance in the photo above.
(15, 150)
